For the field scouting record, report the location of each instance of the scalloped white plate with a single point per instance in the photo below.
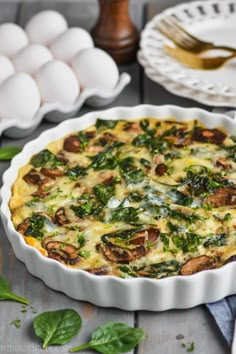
(211, 20)
(110, 291)
(56, 113)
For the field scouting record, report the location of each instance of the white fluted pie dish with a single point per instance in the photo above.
(110, 291)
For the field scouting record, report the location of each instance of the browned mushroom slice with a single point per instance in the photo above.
(23, 226)
(107, 138)
(132, 126)
(32, 177)
(161, 169)
(224, 196)
(198, 264)
(109, 181)
(213, 136)
(44, 188)
(52, 172)
(62, 252)
(71, 144)
(60, 217)
(99, 271)
(125, 246)
(90, 134)
(222, 163)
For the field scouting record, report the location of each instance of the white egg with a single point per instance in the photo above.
(57, 83)
(69, 43)
(45, 26)
(19, 97)
(95, 68)
(31, 58)
(12, 39)
(6, 68)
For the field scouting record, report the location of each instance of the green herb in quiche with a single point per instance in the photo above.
(105, 159)
(6, 294)
(36, 225)
(216, 240)
(8, 152)
(57, 327)
(105, 124)
(46, 158)
(125, 214)
(104, 192)
(113, 338)
(83, 139)
(135, 176)
(75, 172)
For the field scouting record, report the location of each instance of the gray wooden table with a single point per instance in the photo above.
(196, 325)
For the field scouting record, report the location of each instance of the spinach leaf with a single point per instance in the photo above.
(36, 224)
(127, 164)
(8, 152)
(145, 162)
(57, 327)
(216, 240)
(105, 124)
(159, 270)
(134, 176)
(104, 192)
(113, 338)
(189, 243)
(74, 172)
(180, 198)
(155, 144)
(6, 294)
(46, 158)
(125, 214)
(83, 210)
(83, 139)
(105, 160)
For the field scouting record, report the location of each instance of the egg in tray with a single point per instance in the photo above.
(49, 63)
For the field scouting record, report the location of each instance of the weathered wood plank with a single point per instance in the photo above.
(195, 324)
(25, 284)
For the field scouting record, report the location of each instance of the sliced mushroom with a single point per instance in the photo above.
(33, 177)
(90, 134)
(161, 169)
(222, 163)
(224, 196)
(52, 172)
(23, 226)
(44, 188)
(132, 126)
(107, 138)
(198, 264)
(61, 251)
(71, 144)
(99, 271)
(60, 217)
(125, 246)
(213, 136)
(109, 181)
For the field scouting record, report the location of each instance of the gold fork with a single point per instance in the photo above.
(195, 61)
(171, 29)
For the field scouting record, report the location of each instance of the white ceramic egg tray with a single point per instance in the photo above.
(56, 113)
(11, 124)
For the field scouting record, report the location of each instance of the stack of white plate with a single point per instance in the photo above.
(213, 21)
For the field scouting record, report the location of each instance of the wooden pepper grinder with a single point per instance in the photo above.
(115, 32)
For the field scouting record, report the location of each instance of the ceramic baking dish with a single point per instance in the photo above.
(111, 291)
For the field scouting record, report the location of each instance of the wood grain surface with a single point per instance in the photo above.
(195, 325)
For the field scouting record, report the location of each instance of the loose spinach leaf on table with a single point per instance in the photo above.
(57, 327)
(6, 294)
(113, 338)
(8, 152)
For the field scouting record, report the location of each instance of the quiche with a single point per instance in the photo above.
(142, 198)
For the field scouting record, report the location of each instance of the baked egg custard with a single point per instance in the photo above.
(142, 198)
